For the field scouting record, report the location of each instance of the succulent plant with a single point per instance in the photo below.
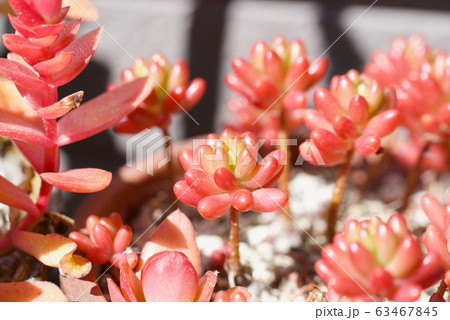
(105, 240)
(170, 270)
(273, 84)
(355, 113)
(437, 235)
(421, 79)
(173, 92)
(224, 172)
(376, 260)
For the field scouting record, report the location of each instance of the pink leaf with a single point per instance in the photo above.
(15, 197)
(114, 292)
(21, 75)
(269, 199)
(79, 180)
(82, 49)
(48, 9)
(176, 233)
(130, 284)
(16, 128)
(206, 287)
(25, 12)
(54, 65)
(212, 207)
(169, 276)
(36, 291)
(102, 112)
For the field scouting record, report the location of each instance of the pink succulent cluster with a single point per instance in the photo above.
(354, 113)
(170, 270)
(437, 235)
(105, 240)
(421, 78)
(376, 260)
(224, 171)
(172, 92)
(273, 85)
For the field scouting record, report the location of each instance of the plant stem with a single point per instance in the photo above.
(283, 182)
(234, 265)
(170, 168)
(338, 193)
(413, 179)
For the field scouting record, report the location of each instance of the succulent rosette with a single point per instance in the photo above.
(171, 268)
(172, 92)
(437, 234)
(273, 85)
(421, 79)
(376, 260)
(355, 113)
(224, 171)
(105, 240)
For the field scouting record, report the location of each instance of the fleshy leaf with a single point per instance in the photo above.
(17, 128)
(174, 233)
(21, 75)
(169, 276)
(103, 111)
(13, 196)
(82, 50)
(130, 284)
(85, 180)
(206, 287)
(114, 292)
(53, 250)
(31, 291)
(81, 290)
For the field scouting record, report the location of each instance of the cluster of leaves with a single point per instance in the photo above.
(371, 259)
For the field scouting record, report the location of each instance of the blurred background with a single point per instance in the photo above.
(208, 33)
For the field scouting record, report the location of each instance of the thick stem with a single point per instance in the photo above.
(338, 194)
(413, 179)
(234, 265)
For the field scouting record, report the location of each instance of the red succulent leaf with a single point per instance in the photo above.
(82, 50)
(15, 197)
(169, 276)
(103, 111)
(17, 128)
(79, 180)
(114, 292)
(130, 284)
(175, 233)
(21, 75)
(206, 287)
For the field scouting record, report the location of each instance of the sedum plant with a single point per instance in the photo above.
(105, 240)
(45, 55)
(354, 114)
(171, 265)
(376, 260)
(173, 93)
(421, 79)
(224, 174)
(273, 86)
(437, 237)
